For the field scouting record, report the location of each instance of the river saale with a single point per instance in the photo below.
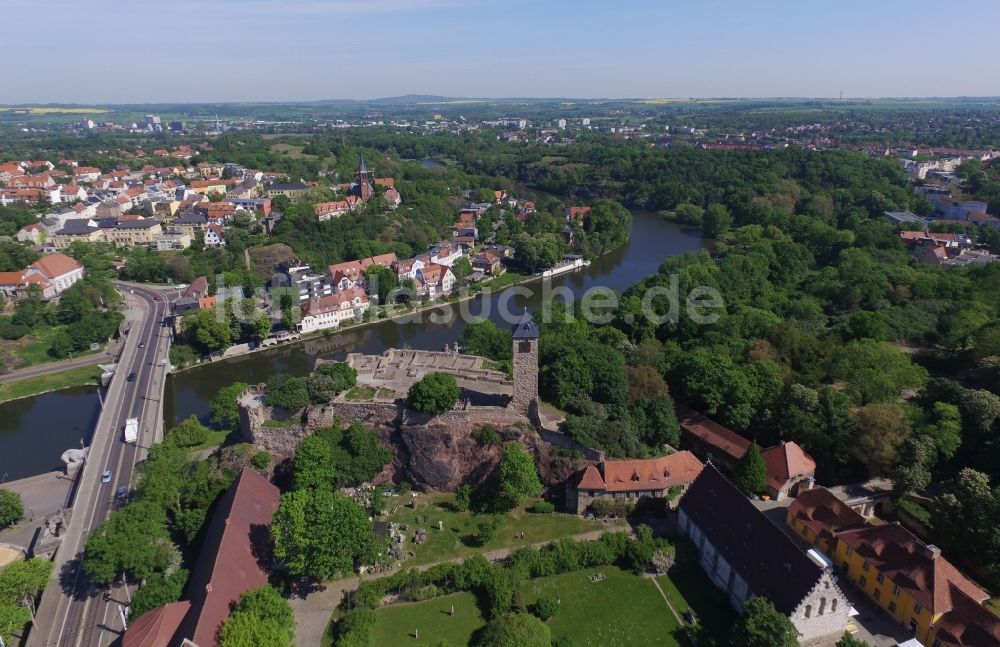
(651, 241)
(35, 431)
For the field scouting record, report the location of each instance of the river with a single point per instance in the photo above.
(651, 241)
(35, 431)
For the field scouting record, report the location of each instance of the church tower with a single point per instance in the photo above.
(364, 180)
(525, 365)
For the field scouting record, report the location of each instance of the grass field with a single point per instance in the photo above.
(398, 625)
(55, 111)
(622, 610)
(53, 382)
(690, 589)
(292, 151)
(448, 543)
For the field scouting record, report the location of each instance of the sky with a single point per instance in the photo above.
(141, 51)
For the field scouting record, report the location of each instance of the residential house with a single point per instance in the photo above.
(446, 253)
(326, 210)
(745, 555)
(909, 580)
(488, 263)
(435, 280)
(114, 208)
(86, 174)
(630, 480)
(408, 268)
(33, 233)
(205, 187)
(904, 218)
(198, 288)
(9, 170)
(392, 196)
(82, 229)
(53, 274)
(135, 232)
(170, 241)
(577, 213)
(299, 275)
(190, 222)
(331, 310)
(233, 558)
(73, 192)
(214, 236)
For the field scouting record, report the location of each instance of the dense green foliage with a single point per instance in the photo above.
(224, 406)
(160, 589)
(11, 507)
(188, 434)
(287, 392)
(518, 476)
(761, 625)
(320, 533)
(355, 454)
(515, 630)
(261, 617)
(750, 473)
(433, 394)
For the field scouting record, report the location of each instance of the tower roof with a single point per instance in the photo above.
(526, 328)
(362, 167)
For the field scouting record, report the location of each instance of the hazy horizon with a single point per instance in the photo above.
(310, 50)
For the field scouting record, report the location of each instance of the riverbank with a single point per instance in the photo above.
(500, 285)
(29, 386)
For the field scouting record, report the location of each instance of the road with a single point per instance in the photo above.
(73, 612)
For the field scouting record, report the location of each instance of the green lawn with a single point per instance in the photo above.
(33, 349)
(361, 393)
(52, 382)
(398, 625)
(447, 544)
(216, 437)
(689, 588)
(622, 610)
(503, 280)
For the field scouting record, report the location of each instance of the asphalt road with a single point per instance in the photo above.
(74, 612)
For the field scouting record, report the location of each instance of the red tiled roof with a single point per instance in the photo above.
(927, 576)
(712, 433)
(824, 514)
(591, 479)
(230, 561)
(385, 181)
(333, 302)
(11, 278)
(785, 461)
(55, 265)
(644, 475)
(198, 287)
(156, 628)
(968, 624)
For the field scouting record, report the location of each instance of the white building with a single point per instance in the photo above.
(331, 310)
(744, 554)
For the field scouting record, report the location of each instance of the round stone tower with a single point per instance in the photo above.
(525, 365)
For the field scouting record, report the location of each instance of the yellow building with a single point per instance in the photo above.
(909, 580)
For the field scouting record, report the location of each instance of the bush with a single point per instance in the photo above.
(486, 530)
(486, 435)
(343, 375)
(545, 607)
(515, 630)
(542, 507)
(11, 508)
(435, 394)
(188, 434)
(611, 508)
(356, 629)
(158, 590)
(287, 392)
(261, 460)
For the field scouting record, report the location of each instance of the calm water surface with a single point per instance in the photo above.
(652, 240)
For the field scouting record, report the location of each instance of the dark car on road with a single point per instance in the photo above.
(131, 377)
(142, 344)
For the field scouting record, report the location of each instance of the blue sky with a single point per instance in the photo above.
(134, 51)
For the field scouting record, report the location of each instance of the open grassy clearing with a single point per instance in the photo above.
(450, 543)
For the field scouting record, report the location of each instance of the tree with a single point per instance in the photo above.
(881, 431)
(847, 640)
(313, 464)
(11, 508)
(761, 625)
(22, 582)
(877, 371)
(225, 407)
(321, 388)
(381, 282)
(515, 630)
(287, 392)
(262, 617)
(320, 533)
(750, 473)
(546, 606)
(462, 269)
(483, 337)
(344, 375)
(160, 589)
(434, 394)
(12, 619)
(188, 434)
(715, 221)
(207, 331)
(133, 541)
(518, 476)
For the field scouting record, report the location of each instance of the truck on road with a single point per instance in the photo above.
(131, 430)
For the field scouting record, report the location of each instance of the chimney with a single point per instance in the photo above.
(930, 550)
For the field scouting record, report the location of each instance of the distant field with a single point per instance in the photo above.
(56, 111)
(291, 150)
